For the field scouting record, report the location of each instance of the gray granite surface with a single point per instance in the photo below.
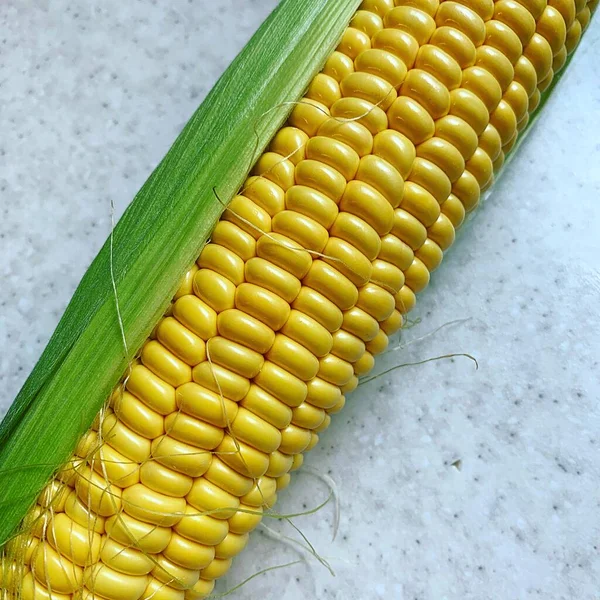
(454, 484)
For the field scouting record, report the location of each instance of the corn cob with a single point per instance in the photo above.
(309, 271)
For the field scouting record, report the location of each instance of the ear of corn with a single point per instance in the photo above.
(308, 272)
(156, 241)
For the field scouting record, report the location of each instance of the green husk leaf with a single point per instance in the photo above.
(157, 239)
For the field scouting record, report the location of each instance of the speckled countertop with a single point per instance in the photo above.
(454, 484)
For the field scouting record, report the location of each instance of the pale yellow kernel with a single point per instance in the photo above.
(31, 589)
(112, 585)
(440, 64)
(294, 440)
(214, 289)
(293, 357)
(227, 479)
(462, 18)
(353, 42)
(277, 381)
(201, 590)
(208, 406)
(370, 87)
(360, 111)
(184, 344)
(318, 307)
(399, 43)
(246, 330)
(334, 153)
(360, 323)
(456, 43)
(247, 215)
(210, 498)
(262, 304)
(116, 468)
(78, 511)
(338, 65)
(566, 8)
(321, 177)
(366, 21)
(364, 364)
(469, 107)
(314, 440)
(332, 284)
(132, 445)
(396, 149)
(405, 300)
(54, 570)
(245, 519)
(430, 254)
(503, 38)
(467, 188)
(242, 457)
(221, 380)
(275, 168)
(179, 456)
(75, 542)
(223, 261)
(217, 568)
(392, 324)
(323, 394)
(539, 52)
(442, 232)
(324, 89)
(307, 331)
(342, 401)
(187, 553)
(497, 64)
(195, 314)
(174, 575)
(201, 528)
(357, 232)
(411, 20)
(156, 590)
(232, 545)
(289, 142)
(365, 202)
(308, 115)
(284, 252)
(54, 495)
(420, 203)
(266, 194)
(383, 64)
(397, 252)
(381, 175)
(164, 363)
(409, 118)
(265, 274)
(185, 287)
(266, 406)
(409, 229)
(484, 8)
(97, 493)
(279, 463)
(144, 504)
(125, 559)
(376, 301)
(517, 17)
(352, 133)
(379, 7)
(417, 276)
(234, 356)
(159, 478)
(195, 432)
(347, 346)
(308, 416)
(335, 370)
(428, 91)
(386, 275)
(349, 261)
(378, 344)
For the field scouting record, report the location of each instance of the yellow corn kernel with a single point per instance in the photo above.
(354, 42)
(332, 284)
(280, 383)
(74, 541)
(360, 323)
(470, 108)
(367, 21)
(444, 155)
(279, 463)
(290, 143)
(159, 478)
(164, 363)
(174, 575)
(408, 229)
(324, 89)
(335, 370)
(364, 364)
(227, 478)
(479, 165)
(221, 381)
(294, 440)
(369, 87)
(310, 203)
(363, 112)
(462, 18)
(322, 393)
(467, 188)
(245, 519)
(337, 154)
(440, 64)
(456, 43)
(266, 406)
(186, 284)
(137, 415)
(418, 202)
(497, 64)
(152, 390)
(378, 344)
(255, 431)
(208, 497)
(79, 512)
(352, 133)
(382, 63)
(54, 570)
(308, 332)
(235, 357)
(203, 404)
(400, 43)
(348, 260)
(264, 193)
(150, 506)
(539, 53)
(240, 327)
(392, 324)
(193, 431)
(405, 300)
(187, 553)
(347, 346)
(115, 467)
(201, 528)
(183, 458)
(125, 559)
(338, 65)
(417, 23)
(275, 168)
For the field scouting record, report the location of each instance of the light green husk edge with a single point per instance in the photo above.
(155, 242)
